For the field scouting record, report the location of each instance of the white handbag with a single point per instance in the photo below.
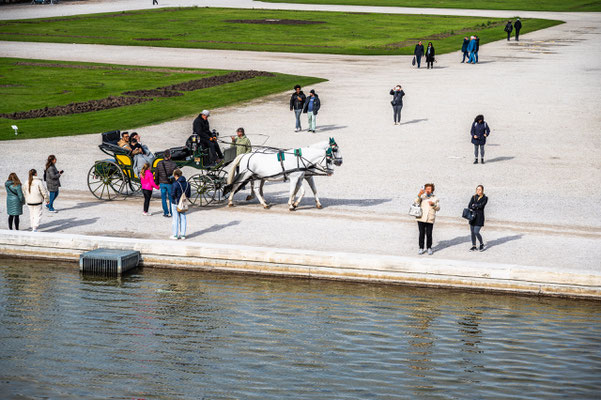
(415, 210)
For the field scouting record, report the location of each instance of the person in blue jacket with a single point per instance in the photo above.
(479, 133)
(178, 188)
(471, 48)
(466, 42)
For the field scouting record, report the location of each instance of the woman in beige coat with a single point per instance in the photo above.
(35, 195)
(429, 205)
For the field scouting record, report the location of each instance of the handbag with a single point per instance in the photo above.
(413, 61)
(182, 205)
(468, 214)
(415, 210)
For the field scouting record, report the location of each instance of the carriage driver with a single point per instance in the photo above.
(207, 139)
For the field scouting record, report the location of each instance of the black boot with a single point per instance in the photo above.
(476, 161)
(481, 161)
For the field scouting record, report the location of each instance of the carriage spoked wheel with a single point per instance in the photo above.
(106, 180)
(131, 187)
(203, 190)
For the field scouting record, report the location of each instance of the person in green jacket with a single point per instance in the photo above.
(14, 200)
(241, 142)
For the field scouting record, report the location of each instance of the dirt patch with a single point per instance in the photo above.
(212, 81)
(151, 39)
(77, 108)
(153, 93)
(270, 21)
(76, 66)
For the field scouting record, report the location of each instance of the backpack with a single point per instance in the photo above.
(182, 205)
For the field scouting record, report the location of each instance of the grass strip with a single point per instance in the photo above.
(265, 30)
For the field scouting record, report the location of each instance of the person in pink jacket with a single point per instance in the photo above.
(147, 180)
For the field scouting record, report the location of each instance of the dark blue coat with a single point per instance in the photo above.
(481, 131)
(316, 104)
(464, 45)
(176, 189)
(477, 205)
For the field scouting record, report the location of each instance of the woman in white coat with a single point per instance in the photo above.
(35, 195)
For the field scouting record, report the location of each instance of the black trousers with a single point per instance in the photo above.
(429, 64)
(15, 219)
(425, 230)
(508, 35)
(517, 34)
(147, 196)
(213, 148)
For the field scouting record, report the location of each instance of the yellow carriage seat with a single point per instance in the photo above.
(125, 161)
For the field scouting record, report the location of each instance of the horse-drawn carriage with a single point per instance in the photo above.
(114, 177)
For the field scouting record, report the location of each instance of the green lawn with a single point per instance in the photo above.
(530, 5)
(27, 87)
(212, 28)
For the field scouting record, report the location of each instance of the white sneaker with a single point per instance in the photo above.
(182, 237)
(144, 213)
(429, 252)
(173, 237)
(421, 251)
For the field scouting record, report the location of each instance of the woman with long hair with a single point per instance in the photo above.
(477, 204)
(35, 195)
(430, 53)
(14, 200)
(52, 177)
(148, 183)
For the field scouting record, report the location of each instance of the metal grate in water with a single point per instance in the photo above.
(108, 261)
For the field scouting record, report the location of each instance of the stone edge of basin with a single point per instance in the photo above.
(414, 271)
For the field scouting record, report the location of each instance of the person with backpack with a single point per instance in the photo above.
(147, 181)
(14, 200)
(508, 29)
(179, 205)
(164, 178)
(36, 194)
(479, 133)
(53, 183)
(476, 205)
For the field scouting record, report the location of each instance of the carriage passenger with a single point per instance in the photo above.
(241, 142)
(140, 153)
(124, 142)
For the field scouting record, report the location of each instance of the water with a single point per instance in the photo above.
(167, 334)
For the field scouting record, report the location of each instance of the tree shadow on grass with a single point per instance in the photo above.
(214, 228)
(66, 223)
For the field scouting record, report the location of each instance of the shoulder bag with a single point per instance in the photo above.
(182, 205)
(468, 214)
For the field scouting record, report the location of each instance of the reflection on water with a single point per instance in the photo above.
(166, 334)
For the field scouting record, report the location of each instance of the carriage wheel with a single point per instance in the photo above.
(106, 180)
(203, 190)
(132, 187)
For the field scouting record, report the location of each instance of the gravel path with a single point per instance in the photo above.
(540, 96)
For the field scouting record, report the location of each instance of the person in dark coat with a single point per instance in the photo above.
(508, 29)
(466, 42)
(476, 48)
(52, 177)
(200, 127)
(164, 178)
(14, 200)
(397, 103)
(418, 53)
(517, 26)
(311, 108)
(479, 133)
(430, 55)
(477, 204)
(297, 102)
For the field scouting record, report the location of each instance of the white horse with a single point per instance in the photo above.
(292, 164)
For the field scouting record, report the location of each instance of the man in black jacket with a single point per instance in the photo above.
(517, 26)
(418, 53)
(208, 140)
(508, 29)
(297, 102)
(163, 177)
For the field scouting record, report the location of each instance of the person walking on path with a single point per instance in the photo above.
(477, 204)
(429, 205)
(430, 56)
(464, 50)
(479, 133)
(180, 187)
(471, 48)
(147, 181)
(155, 2)
(312, 105)
(52, 177)
(14, 200)
(36, 194)
(397, 94)
(418, 53)
(476, 48)
(517, 26)
(241, 142)
(164, 178)
(297, 103)
(508, 29)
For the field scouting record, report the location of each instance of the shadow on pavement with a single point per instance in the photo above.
(498, 159)
(414, 121)
(214, 228)
(323, 128)
(66, 223)
(502, 240)
(82, 205)
(443, 244)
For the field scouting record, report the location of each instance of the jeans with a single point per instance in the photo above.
(179, 222)
(397, 113)
(472, 57)
(481, 150)
(147, 195)
(297, 114)
(166, 197)
(465, 55)
(425, 229)
(312, 120)
(418, 60)
(475, 230)
(53, 196)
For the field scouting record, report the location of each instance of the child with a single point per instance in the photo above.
(148, 184)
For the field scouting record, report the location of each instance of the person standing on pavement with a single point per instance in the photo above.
(477, 204)
(52, 177)
(35, 195)
(464, 50)
(476, 48)
(471, 48)
(147, 181)
(479, 133)
(517, 26)
(180, 188)
(430, 56)
(14, 200)
(429, 205)
(297, 102)
(418, 52)
(508, 29)
(164, 177)
(397, 94)
(241, 142)
(312, 105)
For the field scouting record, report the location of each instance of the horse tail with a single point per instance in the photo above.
(231, 176)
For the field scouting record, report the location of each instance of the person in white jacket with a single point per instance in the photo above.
(35, 195)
